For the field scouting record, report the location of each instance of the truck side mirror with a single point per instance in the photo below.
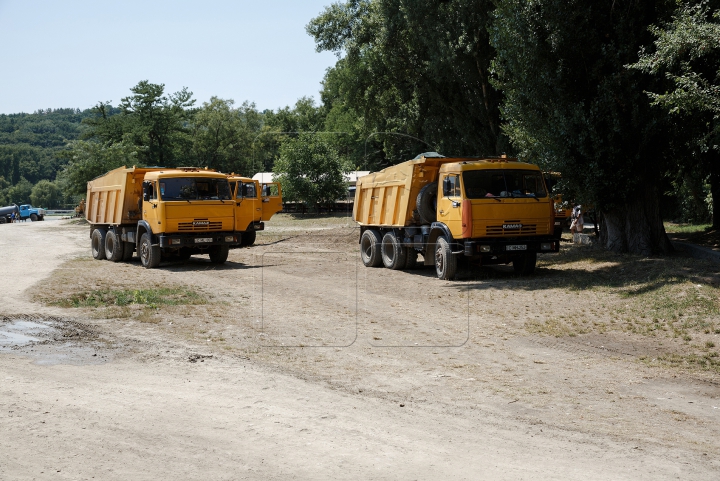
(447, 187)
(147, 191)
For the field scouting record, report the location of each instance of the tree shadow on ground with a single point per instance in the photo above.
(582, 268)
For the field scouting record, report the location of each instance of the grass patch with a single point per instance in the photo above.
(164, 296)
(673, 228)
(556, 328)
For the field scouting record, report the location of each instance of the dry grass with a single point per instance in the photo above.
(670, 298)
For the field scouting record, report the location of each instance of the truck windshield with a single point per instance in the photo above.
(194, 188)
(503, 183)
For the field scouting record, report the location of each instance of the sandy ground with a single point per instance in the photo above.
(304, 364)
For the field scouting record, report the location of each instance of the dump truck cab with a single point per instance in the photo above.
(490, 210)
(255, 203)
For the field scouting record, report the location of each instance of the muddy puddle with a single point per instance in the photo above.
(53, 340)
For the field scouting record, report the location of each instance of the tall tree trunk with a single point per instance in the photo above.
(637, 227)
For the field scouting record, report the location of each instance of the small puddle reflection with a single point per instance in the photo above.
(20, 333)
(52, 340)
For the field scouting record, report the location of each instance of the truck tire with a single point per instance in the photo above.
(427, 203)
(524, 265)
(3, 219)
(445, 261)
(370, 248)
(248, 238)
(113, 247)
(128, 249)
(33, 217)
(411, 261)
(97, 244)
(394, 254)
(148, 253)
(219, 254)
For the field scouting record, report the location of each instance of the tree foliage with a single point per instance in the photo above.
(89, 159)
(686, 51)
(572, 106)
(46, 194)
(419, 68)
(222, 136)
(310, 171)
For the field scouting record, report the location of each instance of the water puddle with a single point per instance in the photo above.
(52, 340)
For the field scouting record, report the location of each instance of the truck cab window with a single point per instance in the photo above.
(249, 190)
(451, 186)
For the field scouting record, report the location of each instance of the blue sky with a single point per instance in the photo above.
(75, 53)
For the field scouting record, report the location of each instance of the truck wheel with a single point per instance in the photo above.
(128, 249)
(149, 254)
(33, 217)
(525, 264)
(248, 238)
(370, 248)
(427, 203)
(3, 219)
(411, 261)
(394, 255)
(219, 254)
(113, 247)
(97, 244)
(445, 261)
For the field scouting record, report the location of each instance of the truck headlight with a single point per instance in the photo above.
(229, 238)
(175, 241)
(484, 248)
(546, 246)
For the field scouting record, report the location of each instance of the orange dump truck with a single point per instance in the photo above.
(255, 204)
(160, 213)
(490, 210)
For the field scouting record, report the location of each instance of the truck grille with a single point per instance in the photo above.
(190, 227)
(497, 230)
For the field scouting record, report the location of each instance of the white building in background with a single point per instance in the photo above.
(350, 177)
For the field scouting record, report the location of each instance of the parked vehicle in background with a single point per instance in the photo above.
(562, 209)
(33, 213)
(7, 212)
(489, 210)
(160, 213)
(255, 204)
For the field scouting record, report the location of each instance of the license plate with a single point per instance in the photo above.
(203, 239)
(521, 247)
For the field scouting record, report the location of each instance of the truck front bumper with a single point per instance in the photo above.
(515, 245)
(198, 239)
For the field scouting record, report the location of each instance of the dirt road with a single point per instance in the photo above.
(293, 361)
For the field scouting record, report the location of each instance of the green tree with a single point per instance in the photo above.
(45, 194)
(156, 122)
(571, 105)
(20, 192)
(419, 68)
(309, 170)
(4, 185)
(686, 51)
(90, 159)
(222, 136)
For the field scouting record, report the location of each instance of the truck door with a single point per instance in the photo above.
(247, 208)
(449, 203)
(271, 200)
(150, 211)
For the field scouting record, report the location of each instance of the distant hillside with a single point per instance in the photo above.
(29, 143)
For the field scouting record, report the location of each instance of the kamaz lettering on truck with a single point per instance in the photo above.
(160, 213)
(489, 210)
